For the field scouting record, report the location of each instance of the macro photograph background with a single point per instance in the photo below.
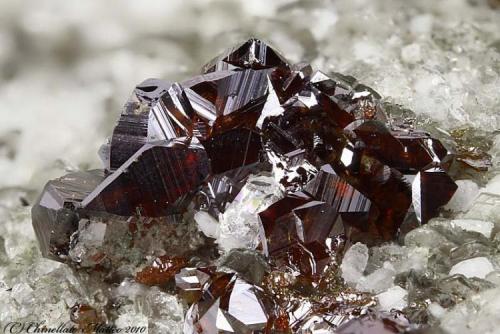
(67, 68)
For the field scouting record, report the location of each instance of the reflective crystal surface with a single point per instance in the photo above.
(228, 305)
(135, 126)
(253, 53)
(152, 181)
(54, 216)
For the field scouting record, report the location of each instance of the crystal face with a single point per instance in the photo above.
(152, 180)
(181, 157)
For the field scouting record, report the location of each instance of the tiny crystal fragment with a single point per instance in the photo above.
(85, 316)
(161, 271)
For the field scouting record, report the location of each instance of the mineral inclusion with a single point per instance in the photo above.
(348, 171)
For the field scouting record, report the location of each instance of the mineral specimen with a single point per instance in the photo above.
(209, 153)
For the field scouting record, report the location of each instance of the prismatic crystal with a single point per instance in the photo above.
(185, 151)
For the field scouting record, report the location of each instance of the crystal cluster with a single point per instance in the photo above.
(347, 170)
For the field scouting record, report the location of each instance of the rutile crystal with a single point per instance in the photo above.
(135, 125)
(153, 180)
(233, 149)
(161, 271)
(229, 305)
(54, 216)
(253, 53)
(228, 99)
(296, 218)
(190, 282)
(260, 154)
(432, 188)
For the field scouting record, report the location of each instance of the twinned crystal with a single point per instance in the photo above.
(206, 155)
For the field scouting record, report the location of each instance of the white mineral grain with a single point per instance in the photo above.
(480, 226)
(411, 53)
(394, 298)
(485, 207)
(475, 267)
(354, 263)
(493, 186)
(424, 237)
(148, 307)
(239, 224)
(378, 281)
(402, 258)
(436, 310)
(207, 224)
(494, 277)
(464, 196)
(478, 314)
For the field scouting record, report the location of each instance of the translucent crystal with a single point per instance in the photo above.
(476, 267)
(401, 258)
(354, 262)
(393, 298)
(239, 225)
(481, 226)
(378, 281)
(477, 313)
(464, 196)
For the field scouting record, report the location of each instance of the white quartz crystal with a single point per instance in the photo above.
(207, 224)
(401, 258)
(494, 277)
(354, 263)
(493, 186)
(148, 307)
(480, 226)
(378, 281)
(475, 267)
(485, 207)
(478, 314)
(239, 224)
(393, 298)
(464, 196)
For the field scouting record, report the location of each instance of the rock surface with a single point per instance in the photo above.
(444, 67)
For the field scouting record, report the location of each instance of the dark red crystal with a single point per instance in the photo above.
(433, 190)
(347, 174)
(233, 149)
(54, 217)
(152, 181)
(161, 271)
(253, 53)
(251, 109)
